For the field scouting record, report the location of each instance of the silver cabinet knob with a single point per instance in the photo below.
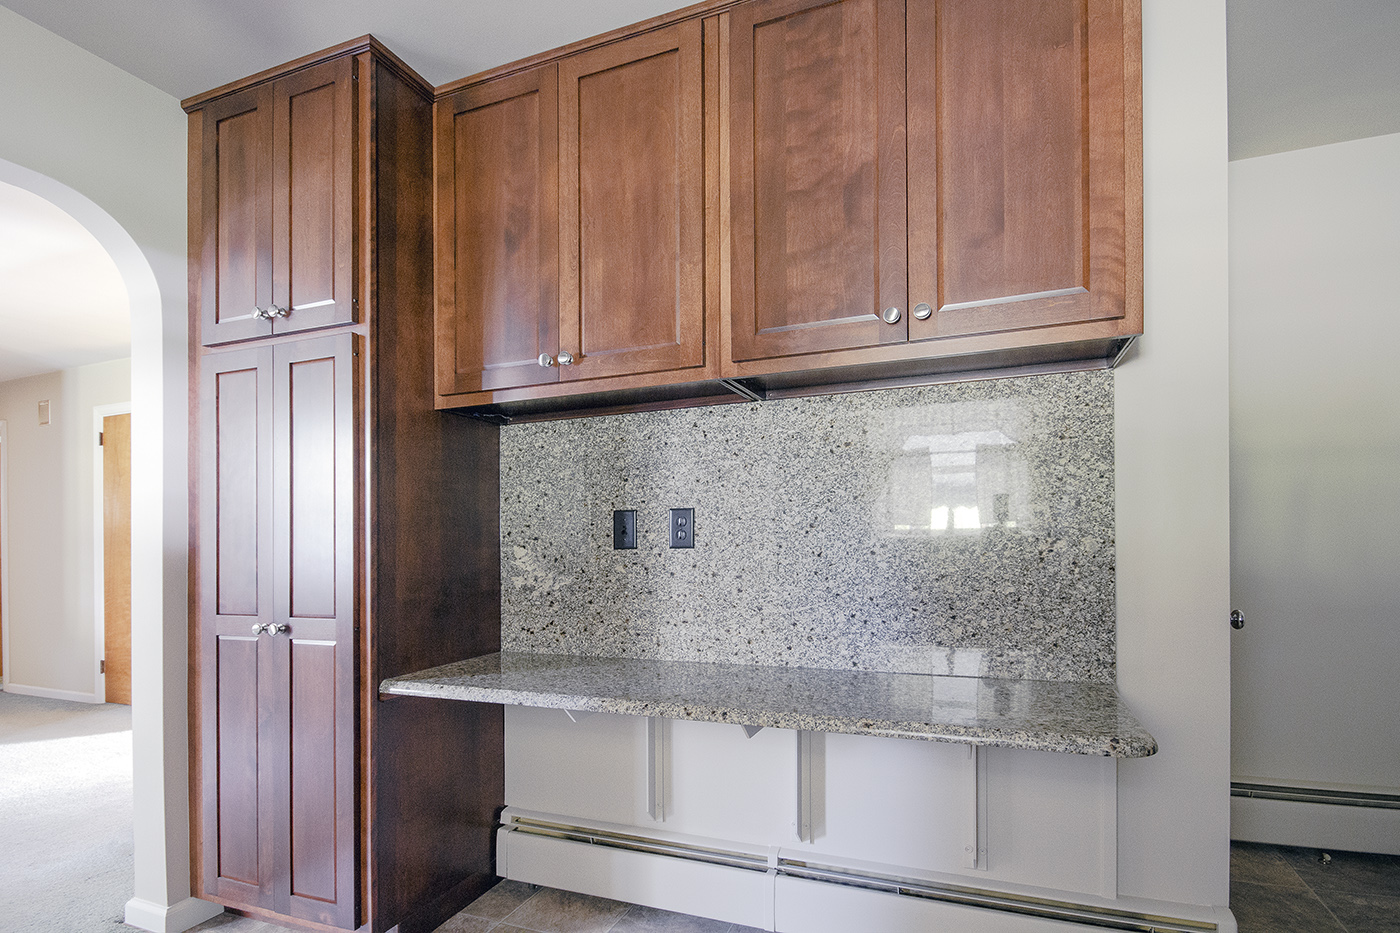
(259, 629)
(262, 314)
(891, 315)
(922, 311)
(546, 359)
(277, 628)
(275, 311)
(566, 358)
(1236, 619)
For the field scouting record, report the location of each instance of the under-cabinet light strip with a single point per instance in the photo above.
(1105, 918)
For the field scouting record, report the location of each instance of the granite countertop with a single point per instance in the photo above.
(1070, 717)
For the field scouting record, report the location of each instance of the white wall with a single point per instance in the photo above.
(1172, 467)
(1315, 464)
(110, 150)
(50, 625)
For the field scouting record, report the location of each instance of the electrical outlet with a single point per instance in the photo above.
(624, 529)
(682, 528)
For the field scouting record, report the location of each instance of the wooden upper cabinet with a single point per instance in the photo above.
(632, 187)
(277, 163)
(571, 219)
(1017, 168)
(986, 174)
(497, 233)
(818, 186)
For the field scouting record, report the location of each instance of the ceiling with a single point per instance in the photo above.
(62, 301)
(1302, 73)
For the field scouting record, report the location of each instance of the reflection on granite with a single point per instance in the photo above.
(1076, 718)
(957, 529)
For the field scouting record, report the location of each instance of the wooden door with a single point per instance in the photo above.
(1016, 163)
(631, 215)
(498, 233)
(235, 603)
(116, 558)
(236, 217)
(277, 527)
(307, 691)
(313, 187)
(817, 147)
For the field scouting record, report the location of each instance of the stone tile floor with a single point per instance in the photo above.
(1273, 889)
(1278, 889)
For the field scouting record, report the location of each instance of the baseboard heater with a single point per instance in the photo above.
(1065, 911)
(1344, 798)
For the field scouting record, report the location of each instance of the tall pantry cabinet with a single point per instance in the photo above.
(342, 530)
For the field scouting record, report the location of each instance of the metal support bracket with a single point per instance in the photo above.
(975, 851)
(658, 738)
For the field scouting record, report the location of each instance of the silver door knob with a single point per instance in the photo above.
(259, 629)
(277, 628)
(891, 315)
(546, 359)
(566, 358)
(1236, 619)
(262, 314)
(922, 311)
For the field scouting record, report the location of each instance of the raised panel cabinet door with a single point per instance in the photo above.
(817, 154)
(313, 189)
(235, 602)
(1017, 176)
(632, 189)
(311, 661)
(497, 250)
(236, 217)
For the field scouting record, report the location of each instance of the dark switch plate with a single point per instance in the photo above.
(682, 528)
(624, 529)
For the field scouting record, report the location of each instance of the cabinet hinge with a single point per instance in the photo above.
(102, 666)
(100, 436)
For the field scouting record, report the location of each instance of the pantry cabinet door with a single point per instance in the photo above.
(236, 217)
(817, 145)
(313, 197)
(632, 186)
(1017, 174)
(497, 233)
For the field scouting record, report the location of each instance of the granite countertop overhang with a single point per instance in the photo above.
(1058, 716)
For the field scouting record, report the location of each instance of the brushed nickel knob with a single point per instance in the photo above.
(891, 315)
(922, 311)
(259, 629)
(275, 311)
(262, 314)
(1236, 619)
(546, 359)
(566, 358)
(277, 628)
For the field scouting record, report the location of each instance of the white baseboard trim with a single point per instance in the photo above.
(50, 694)
(1315, 825)
(148, 915)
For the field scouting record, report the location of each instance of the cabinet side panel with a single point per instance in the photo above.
(313, 779)
(237, 731)
(235, 438)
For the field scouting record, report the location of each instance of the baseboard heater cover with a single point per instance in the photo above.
(1345, 798)
(1044, 908)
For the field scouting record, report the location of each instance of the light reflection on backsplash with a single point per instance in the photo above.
(960, 529)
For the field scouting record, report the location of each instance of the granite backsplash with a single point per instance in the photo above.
(954, 529)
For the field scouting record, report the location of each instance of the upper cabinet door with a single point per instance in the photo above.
(818, 181)
(497, 250)
(632, 188)
(277, 205)
(236, 216)
(1017, 174)
(313, 197)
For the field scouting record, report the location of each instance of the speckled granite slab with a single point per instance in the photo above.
(1075, 718)
(959, 529)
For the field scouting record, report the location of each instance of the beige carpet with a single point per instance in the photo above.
(65, 815)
